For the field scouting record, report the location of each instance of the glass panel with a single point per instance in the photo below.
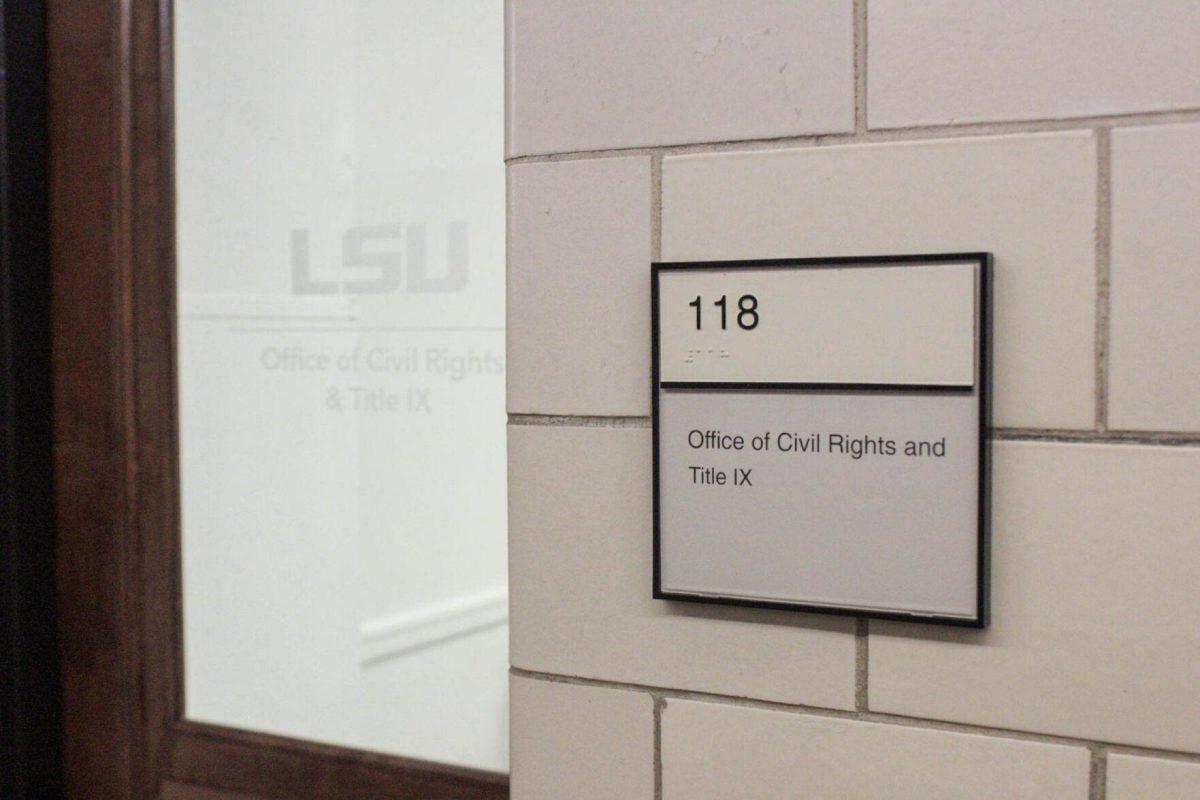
(341, 366)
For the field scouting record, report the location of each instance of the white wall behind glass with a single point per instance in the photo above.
(341, 357)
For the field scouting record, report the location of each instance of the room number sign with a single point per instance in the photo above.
(819, 434)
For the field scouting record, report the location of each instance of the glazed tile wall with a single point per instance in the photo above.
(1064, 138)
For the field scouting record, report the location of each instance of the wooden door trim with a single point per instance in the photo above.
(115, 455)
(276, 766)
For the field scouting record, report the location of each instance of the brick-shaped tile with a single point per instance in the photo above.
(1154, 374)
(602, 75)
(579, 287)
(714, 751)
(938, 62)
(580, 742)
(1139, 778)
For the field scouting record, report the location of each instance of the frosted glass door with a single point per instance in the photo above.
(340, 191)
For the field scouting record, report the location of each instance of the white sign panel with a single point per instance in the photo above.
(819, 435)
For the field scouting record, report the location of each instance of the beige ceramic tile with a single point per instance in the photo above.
(579, 287)
(1154, 371)
(948, 61)
(580, 742)
(1030, 200)
(630, 73)
(1094, 598)
(1138, 778)
(725, 752)
(580, 585)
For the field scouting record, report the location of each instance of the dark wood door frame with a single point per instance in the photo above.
(115, 453)
(29, 729)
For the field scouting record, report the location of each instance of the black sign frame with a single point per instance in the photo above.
(984, 261)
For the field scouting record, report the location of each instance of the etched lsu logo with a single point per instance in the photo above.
(391, 269)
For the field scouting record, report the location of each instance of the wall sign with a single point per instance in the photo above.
(819, 435)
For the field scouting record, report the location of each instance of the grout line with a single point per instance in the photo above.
(1103, 270)
(573, 421)
(1098, 774)
(900, 720)
(656, 206)
(959, 130)
(660, 704)
(862, 644)
(1158, 438)
(577, 155)
(860, 66)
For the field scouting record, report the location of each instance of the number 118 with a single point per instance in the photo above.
(747, 316)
